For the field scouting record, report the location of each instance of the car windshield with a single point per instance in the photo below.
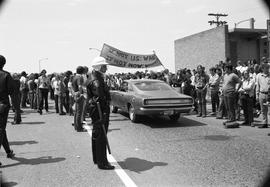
(152, 86)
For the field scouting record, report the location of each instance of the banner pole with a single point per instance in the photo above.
(160, 62)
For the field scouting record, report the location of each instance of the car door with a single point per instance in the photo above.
(127, 96)
(115, 95)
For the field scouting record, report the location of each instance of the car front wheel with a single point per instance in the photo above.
(174, 117)
(132, 115)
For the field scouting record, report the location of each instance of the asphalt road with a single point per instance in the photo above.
(192, 152)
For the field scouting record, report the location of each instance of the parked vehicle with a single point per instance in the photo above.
(150, 97)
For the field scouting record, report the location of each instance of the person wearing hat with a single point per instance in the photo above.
(98, 91)
(6, 90)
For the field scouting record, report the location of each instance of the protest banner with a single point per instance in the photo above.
(116, 57)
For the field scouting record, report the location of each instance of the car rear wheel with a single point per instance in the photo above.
(132, 115)
(114, 109)
(174, 117)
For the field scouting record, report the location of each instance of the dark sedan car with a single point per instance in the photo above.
(150, 97)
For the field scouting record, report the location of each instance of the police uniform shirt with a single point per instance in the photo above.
(6, 87)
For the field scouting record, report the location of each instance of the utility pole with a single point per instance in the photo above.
(217, 22)
(39, 61)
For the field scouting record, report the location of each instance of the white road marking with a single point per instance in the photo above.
(119, 171)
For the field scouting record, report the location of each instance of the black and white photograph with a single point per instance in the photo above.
(134, 93)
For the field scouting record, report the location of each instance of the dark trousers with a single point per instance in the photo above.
(43, 97)
(98, 137)
(214, 100)
(51, 93)
(222, 109)
(71, 102)
(24, 94)
(201, 98)
(31, 98)
(230, 104)
(78, 113)
(56, 98)
(36, 99)
(67, 101)
(3, 133)
(62, 100)
(247, 105)
(16, 107)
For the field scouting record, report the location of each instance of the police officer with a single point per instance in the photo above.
(98, 91)
(6, 89)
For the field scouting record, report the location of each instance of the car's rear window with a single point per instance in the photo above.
(152, 86)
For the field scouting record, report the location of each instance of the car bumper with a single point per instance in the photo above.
(164, 111)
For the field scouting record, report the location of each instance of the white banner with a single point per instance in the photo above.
(123, 59)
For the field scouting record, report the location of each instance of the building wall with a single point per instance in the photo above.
(247, 48)
(206, 48)
(263, 48)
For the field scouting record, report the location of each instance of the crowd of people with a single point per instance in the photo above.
(229, 88)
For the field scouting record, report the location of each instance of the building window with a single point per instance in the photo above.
(265, 51)
(265, 44)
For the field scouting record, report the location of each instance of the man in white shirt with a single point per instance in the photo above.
(247, 94)
(23, 89)
(214, 82)
(43, 86)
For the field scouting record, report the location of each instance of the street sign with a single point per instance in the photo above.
(268, 30)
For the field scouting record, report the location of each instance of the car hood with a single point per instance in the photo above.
(162, 94)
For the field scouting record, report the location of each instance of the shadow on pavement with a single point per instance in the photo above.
(139, 165)
(8, 184)
(120, 119)
(34, 161)
(22, 142)
(33, 123)
(115, 129)
(159, 122)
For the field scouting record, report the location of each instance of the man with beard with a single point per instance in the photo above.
(98, 91)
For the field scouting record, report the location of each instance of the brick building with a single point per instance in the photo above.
(211, 46)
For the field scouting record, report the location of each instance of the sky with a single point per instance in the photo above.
(59, 33)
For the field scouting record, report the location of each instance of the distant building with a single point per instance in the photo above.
(211, 46)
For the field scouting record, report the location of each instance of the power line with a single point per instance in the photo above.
(217, 22)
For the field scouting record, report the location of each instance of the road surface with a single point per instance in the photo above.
(156, 152)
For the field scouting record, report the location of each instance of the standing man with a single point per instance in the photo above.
(16, 98)
(262, 91)
(66, 80)
(43, 83)
(24, 89)
(214, 82)
(77, 85)
(201, 83)
(246, 97)
(6, 89)
(229, 90)
(98, 91)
